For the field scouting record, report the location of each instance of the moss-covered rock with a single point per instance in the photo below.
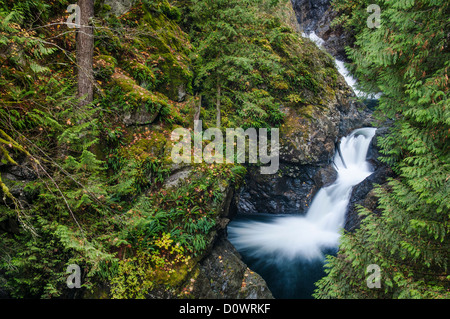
(142, 74)
(118, 7)
(223, 275)
(310, 133)
(144, 143)
(172, 48)
(104, 66)
(143, 106)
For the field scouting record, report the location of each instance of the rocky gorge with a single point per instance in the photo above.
(315, 120)
(317, 16)
(307, 148)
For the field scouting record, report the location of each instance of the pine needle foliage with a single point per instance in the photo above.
(407, 59)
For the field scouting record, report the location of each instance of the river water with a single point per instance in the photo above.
(288, 251)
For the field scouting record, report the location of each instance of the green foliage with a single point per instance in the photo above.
(139, 274)
(100, 198)
(70, 206)
(167, 230)
(163, 7)
(188, 212)
(407, 60)
(254, 59)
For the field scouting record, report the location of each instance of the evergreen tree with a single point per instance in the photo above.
(227, 35)
(407, 59)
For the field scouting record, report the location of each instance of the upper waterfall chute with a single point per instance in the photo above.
(342, 69)
(351, 81)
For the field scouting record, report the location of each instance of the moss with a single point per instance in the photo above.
(280, 85)
(309, 72)
(144, 143)
(295, 123)
(157, 47)
(137, 97)
(171, 53)
(307, 111)
(173, 75)
(104, 66)
(126, 83)
(177, 277)
(181, 113)
(141, 73)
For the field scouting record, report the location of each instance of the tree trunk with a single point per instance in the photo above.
(218, 107)
(197, 112)
(85, 52)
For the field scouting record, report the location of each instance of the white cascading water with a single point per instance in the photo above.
(306, 237)
(351, 81)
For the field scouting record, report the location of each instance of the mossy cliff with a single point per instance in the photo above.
(100, 188)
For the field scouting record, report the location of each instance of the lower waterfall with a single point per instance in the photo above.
(288, 250)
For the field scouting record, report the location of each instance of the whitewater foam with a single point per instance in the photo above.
(292, 237)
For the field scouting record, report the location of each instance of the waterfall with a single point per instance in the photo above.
(351, 81)
(342, 69)
(284, 238)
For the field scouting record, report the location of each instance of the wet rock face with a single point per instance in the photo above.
(312, 141)
(292, 190)
(289, 193)
(223, 275)
(306, 141)
(363, 194)
(308, 12)
(336, 38)
(16, 178)
(316, 16)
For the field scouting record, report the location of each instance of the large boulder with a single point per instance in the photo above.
(289, 192)
(311, 138)
(223, 275)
